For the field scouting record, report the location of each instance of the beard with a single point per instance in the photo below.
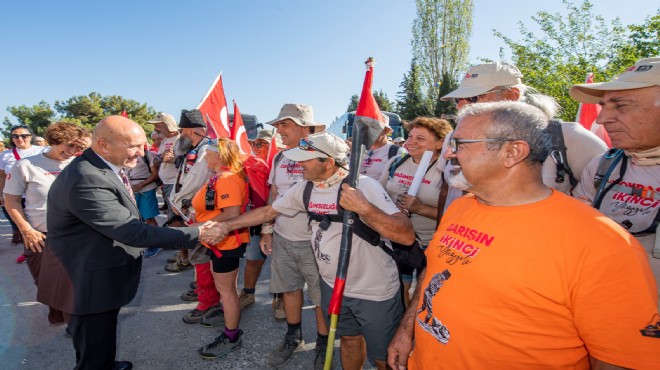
(456, 179)
(183, 146)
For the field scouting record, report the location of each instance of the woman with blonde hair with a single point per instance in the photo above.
(224, 196)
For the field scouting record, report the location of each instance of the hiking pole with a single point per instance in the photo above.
(367, 126)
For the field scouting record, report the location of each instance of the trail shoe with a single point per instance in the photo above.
(178, 266)
(278, 309)
(245, 299)
(174, 258)
(214, 318)
(220, 346)
(282, 354)
(196, 316)
(189, 296)
(319, 358)
(151, 252)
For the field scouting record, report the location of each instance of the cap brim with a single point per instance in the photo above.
(299, 155)
(155, 121)
(591, 93)
(468, 92)
(298, 122)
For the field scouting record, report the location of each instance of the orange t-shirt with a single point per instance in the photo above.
(230, 190)
(535, 286)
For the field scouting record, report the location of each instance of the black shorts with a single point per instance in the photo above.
(229, 261)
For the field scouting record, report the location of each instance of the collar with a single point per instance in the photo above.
(114, 168)
(649, 157)
(332, 180)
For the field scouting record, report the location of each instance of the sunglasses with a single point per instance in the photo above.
(308, 146)
(454, 143)
(475, 99)
(258, 144)
(22, 136)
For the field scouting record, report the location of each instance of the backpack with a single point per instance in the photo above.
(257, 171)
(394, 150)
(606, 166)
(558, 154)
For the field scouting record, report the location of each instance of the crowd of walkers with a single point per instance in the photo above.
(504, 239)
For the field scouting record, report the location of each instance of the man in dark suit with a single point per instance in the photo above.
(92, 261)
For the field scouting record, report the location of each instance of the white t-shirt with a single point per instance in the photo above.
(33, 177)
(632, 212)
(167, 171)
(7, 158)
(428, 193)
(284, 175)
(372, 274)
(375, 161)
(141, 172)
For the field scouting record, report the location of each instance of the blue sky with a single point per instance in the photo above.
(167, 53)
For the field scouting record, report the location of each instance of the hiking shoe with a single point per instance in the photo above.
(319, 358)
(245, 299)
(151, 252)
(174, 258)
(282, 354)
(178, 266)
(278, 309)
(220, 346)
(189, 296)
(214, 318)
(196, 316)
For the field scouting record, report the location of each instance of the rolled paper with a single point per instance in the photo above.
(420, 173)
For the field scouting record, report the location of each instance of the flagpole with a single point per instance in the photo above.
(363, 138)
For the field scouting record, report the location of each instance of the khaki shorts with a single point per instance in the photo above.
(292, 265)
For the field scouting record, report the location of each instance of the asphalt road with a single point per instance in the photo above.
(151, 333)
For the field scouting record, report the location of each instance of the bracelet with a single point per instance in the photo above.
(267, 228)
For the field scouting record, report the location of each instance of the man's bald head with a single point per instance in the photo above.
(119, 141)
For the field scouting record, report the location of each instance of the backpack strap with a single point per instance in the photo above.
(558, 153)
(394, 150)
(606, 166)
(397, 163)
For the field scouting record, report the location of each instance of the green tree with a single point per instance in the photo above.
(410, 100)
(352, 105)
(37, 117)
(445, 108)
(440, 44)
(571, 45)
(643, 42)
(88, 110)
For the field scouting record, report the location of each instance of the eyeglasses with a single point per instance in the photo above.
(307, 146)
(22, 136)
(474, 99)
(454, 143)
(257, 145)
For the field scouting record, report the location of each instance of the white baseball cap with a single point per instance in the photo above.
(319, 145)
(645, 73)
(482, 78)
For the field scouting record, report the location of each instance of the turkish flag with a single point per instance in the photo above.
(272, 150)
(214, 108)
(587, 114)
(124, 113)
(238, 132)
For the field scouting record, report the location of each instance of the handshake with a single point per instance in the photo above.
(211, 232)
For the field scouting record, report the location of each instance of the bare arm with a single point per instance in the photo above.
(3, 178)
(33, 239)
(152, 177)
(414, 205)
(401, 344)
(252, 218)
(396, 227)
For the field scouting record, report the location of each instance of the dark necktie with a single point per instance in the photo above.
(126, 182)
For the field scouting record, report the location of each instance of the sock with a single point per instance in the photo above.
(248, 291)
(321, 340)
(293, 328)
(232, 334)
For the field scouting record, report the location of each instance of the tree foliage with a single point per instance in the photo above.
(445, 108)
(440, 44)
(84, 110)
(574, 44)
(410, 100)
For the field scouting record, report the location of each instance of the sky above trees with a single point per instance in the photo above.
(167, 53)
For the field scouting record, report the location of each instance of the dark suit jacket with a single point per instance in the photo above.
(85, 269)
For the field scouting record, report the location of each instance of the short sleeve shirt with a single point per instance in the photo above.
(167, 171)
(372, 274)
(7, 158)
(33, 177)
(284, 174)
(142, 171)
(375, 161)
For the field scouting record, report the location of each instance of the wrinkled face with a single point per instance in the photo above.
(632, 118)
(420, 140)
(473, 163)
(124, 150)
(290, 132)
(21, 138)
(313, 169)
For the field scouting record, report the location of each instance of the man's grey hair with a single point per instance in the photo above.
(515, 121)
(547, 104)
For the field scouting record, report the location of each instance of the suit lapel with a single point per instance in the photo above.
(109, 174)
